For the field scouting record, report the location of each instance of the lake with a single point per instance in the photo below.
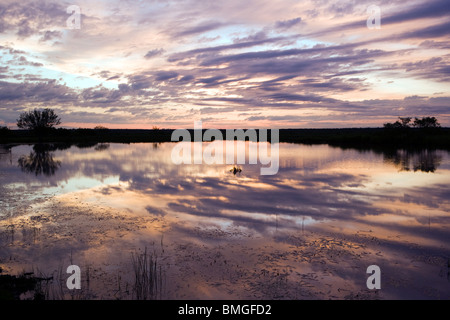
(140, 226)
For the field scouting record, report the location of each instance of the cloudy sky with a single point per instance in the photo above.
(253, 63)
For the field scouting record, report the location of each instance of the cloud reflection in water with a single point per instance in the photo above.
(317, 189)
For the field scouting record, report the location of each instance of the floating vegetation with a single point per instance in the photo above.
(235, 170)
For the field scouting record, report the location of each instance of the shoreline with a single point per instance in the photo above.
(360, 138)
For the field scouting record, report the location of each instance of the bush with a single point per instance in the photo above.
(100, 128)
(38, 120)
(402, 123)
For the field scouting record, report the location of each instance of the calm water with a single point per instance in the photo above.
(310, 231)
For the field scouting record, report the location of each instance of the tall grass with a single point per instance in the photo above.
(147, 277)
(53, 286)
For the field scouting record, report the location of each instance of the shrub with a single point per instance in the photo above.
(100, 128)
(38, 120)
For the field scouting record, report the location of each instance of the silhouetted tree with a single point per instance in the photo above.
(38, 120)
(402, 123)
(426, 122)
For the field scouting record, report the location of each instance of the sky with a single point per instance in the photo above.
(229, 64)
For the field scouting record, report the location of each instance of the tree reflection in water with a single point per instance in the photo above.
(5, 153)
(101, 147)
(417, 160)
(40, 160)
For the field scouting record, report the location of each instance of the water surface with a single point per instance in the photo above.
(307, 232)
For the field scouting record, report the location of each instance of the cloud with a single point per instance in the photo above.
(243, 43)
(165, 75)
(231, 58)
(211, 80)
(51, 35)
(405, 14)
(46, 92)
(140, 81)
(187, 78)
(273, 54)
(428, 9)
(435, 31)
(287, 24)
(334, 84)
(299, 97)
(22, 61)
(29, 18)
(198, 29)
(153, 53)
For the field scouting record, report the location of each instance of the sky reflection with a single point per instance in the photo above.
(317, 189)
(314, 182)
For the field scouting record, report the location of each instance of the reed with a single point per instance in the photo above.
(147, 279)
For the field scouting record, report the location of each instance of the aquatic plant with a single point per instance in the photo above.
(235, 170)
(147, 281)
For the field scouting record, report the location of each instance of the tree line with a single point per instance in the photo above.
(44, 120)
(406, 122)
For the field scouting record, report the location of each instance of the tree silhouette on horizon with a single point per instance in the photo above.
(38, 120)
